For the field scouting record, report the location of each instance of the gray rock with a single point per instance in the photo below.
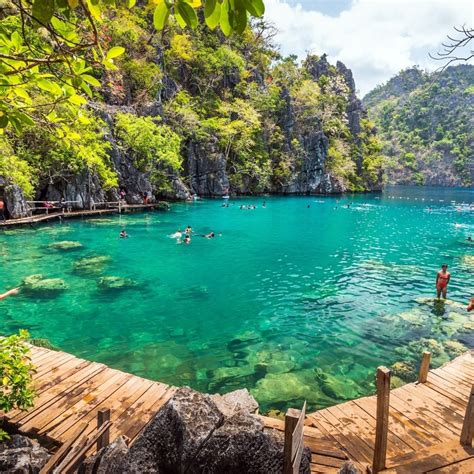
(348, 468)
(108, 460)
(172, 439)
(193, 434)
(235, 401)
(15, 202)
(20, 455)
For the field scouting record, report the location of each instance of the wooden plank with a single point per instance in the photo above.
(421, 415)
(447, 392)
(103, 416)
(381, 429)
(403, 427)
(291, 420)
(50, 395)
(435, 458)
(453, 375)
(396, 445)
(295, 465)
(467, 432)
(455, 388)
(64, 399)
(72, 368)
(328, 461)
(460, 467)
(442, 407)
(424, 367)
(73, 411)
(357, 449)
(297, 435)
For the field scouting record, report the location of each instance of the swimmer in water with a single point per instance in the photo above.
(187, 240)
(188, 230)
(177, 235)
(442, 280)
(211, 235)
(11, 292)
(469, 239)
(123, 234)
(470, 306)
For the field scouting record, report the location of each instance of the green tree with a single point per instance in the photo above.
(16, 372)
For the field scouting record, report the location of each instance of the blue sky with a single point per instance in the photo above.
(375, 38)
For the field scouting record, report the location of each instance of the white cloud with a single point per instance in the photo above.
(375, 38)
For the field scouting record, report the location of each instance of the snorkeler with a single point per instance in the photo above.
(123, 234)
(442, 280)
(13, 291)
(211, 235)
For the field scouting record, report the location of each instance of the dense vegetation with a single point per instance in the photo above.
(233, 98)
(426, 124)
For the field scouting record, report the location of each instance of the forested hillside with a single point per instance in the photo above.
(426, 122)
(188, 111)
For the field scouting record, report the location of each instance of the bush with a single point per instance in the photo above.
(16, 372)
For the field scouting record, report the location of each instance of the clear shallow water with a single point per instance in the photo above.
(284, 291)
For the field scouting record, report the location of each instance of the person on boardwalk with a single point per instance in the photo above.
(442, 280)
(14, 291)
(2, 211)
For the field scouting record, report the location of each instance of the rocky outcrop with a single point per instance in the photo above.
(206, 169)
(21, 455)
(197, 433)
(15, 202)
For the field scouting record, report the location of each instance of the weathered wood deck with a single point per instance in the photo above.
(424, 425)
(72, 390)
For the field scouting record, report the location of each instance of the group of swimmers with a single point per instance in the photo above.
(185, 237)
(252, 206)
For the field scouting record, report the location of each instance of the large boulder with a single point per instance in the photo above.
(21, 455)
(197, 433)
(108, 460)
(15, 202)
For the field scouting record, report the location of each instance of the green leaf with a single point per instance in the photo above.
(90, 80)
(25, 118)
(240, 17)
(115, 52)
(255, 7)
(160, 16)
(77, 100)
(3, 120)
(212, 13)
(49, 86)
(187, 13)
(43, 10)
(224, 20)
(86, 89)
(131, 3)
(16, 39)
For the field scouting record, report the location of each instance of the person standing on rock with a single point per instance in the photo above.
(2, 210)
(442, 280)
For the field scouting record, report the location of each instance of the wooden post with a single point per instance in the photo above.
(467, 432)
(424, 367)
(381, 427)
(103, 416)
(291, 420)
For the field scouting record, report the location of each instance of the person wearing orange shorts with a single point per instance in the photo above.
(442, 280)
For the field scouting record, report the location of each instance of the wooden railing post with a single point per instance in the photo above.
(424, 367)
(467, 432)
(381, 427)
(294, 445)
(103, 416)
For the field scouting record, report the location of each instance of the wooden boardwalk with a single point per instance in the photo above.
(424, 424)
(71, 391)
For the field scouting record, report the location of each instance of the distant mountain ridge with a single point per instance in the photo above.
(426, 124)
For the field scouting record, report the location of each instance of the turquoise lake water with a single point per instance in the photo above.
(294, 302)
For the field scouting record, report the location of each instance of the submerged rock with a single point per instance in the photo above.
(335, 388)
(116, 283)
(21, 455)
(404, 370)
(91, 264)
(454, 348)
(468, 262)
(36, 283)
(65, 245)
